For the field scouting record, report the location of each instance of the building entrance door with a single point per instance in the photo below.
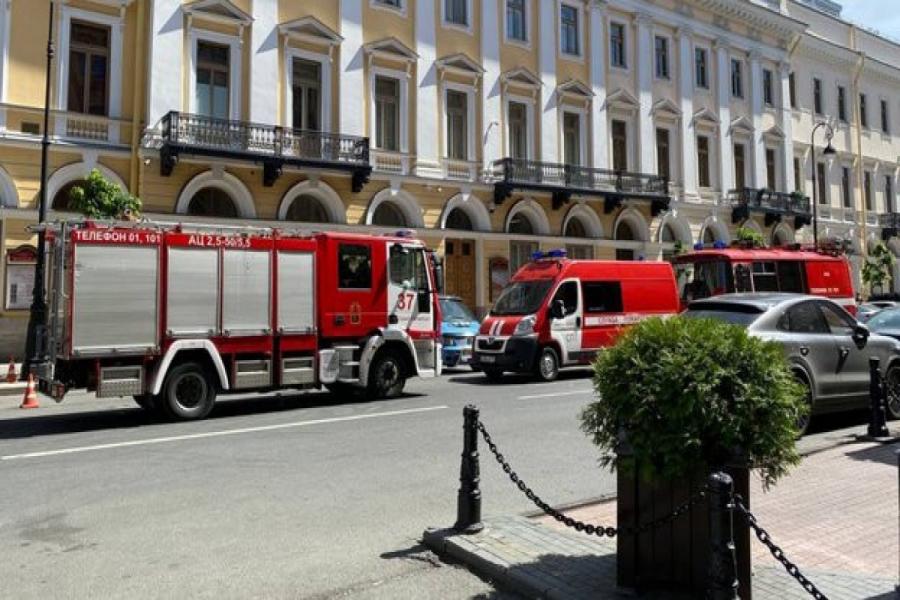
(459, 270)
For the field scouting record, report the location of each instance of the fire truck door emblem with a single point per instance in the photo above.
(355, 313)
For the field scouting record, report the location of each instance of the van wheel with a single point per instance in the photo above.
(188, 393)
(386, 376)
(892, 392)
(804, 421)
(493, 375)
(547, 367)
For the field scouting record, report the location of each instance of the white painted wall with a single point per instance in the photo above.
(352, 98)
(427, 116)
(166, 54)
(264, 73)
(549, 109)
(492, 136)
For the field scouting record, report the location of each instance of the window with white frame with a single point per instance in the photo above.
(842, 103)
(661, 55)
(701, 68)
(863, 111)
(517, 20)
(457, 107)
(456, 12)
(798, 176)
(818, 101)
(845, 187)
(517, 129)
(397, 4)
(306, 86)
(617, 45)
(572, 138)
(768, 88)
(88, 85)
(792, 89)
(704, 178)
(569, 32)
(387, 113)
(620, 145)
(771, 169)
(737, 78)
(822, 183)
(885, 122)
(663, 153)
(889, 193)
(212, 71)
(867, 190)
(740, 167)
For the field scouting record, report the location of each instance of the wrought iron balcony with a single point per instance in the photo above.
(271, 145)
(890, 225)
(565, 180)
(775, 206)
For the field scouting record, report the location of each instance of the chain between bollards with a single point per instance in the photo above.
(468, 499)
(877, 419)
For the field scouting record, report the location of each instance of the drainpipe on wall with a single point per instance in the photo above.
(858, 153)
(136, 104)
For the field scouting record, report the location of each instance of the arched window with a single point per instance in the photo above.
(780, 238)
(458, 219)
(63, 196)
(575, 228)
(212, 202)
(307, 209)
(709, 236)
(387, 214)
(624, 231)
(668, 235)
(520, 223)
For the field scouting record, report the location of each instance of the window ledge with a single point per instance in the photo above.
(397, 10)
(466, 29)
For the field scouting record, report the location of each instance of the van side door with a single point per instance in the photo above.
(603, 313)
(567, 330)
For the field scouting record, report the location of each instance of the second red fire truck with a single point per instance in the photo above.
(175, 314)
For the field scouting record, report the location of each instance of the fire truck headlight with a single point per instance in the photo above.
(525, 326)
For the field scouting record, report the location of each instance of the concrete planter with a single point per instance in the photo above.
(674, 556)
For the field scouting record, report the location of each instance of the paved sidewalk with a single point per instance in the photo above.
(835, 516)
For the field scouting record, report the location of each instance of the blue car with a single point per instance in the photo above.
(458, 330)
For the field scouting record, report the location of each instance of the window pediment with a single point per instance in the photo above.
(218, 11)
(390, 49)
(521, 77)
(622, 100)
(741, 126)
(775, 133)
(310, 29)
(706, 117)
(459, 64)
(666, 109)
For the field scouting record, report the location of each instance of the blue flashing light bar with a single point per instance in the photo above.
(719, 245)
(556, 253)
(698, 246)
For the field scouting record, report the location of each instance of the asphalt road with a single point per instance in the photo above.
(297, 496)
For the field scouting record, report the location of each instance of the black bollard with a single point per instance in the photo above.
(468, 500)
(722, 582)
(877, 420)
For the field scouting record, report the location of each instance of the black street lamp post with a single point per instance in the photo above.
(829, 151)
(34, 349)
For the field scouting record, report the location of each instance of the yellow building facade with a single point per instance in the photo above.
(492, 128)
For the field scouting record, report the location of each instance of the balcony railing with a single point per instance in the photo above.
(890, 225)
(66, 126)
(563, 180)
(272, 145)
(774, 205)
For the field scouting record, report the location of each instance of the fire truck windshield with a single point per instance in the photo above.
(522, 297)
(703, 279)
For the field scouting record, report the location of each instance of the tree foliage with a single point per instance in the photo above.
(99, 198)
(688, 393)
(876, 271)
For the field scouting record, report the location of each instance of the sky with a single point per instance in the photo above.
(882, 15)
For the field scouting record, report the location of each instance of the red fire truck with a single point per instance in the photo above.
(174, 314)
(714, 271)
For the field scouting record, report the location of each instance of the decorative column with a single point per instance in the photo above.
(352, 82)
(599, 124)
(167, 56)
(491, 139)
(759, 179)
(264, 64)
(686, 105)
(787, 126)
(428, 159)
(5, 17)
(549, 110)
(644, 65)
(726, 151)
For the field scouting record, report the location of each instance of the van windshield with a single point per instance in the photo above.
(522, 297)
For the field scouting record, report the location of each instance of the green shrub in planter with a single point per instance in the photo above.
(691, 392)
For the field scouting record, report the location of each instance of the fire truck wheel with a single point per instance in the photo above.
(547, 367)
(386, 376)
(188, 392)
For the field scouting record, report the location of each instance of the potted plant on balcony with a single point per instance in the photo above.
(747, 237)
(98, 198)
(677, 399)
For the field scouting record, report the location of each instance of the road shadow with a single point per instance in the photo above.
(34, 425)
(475, 378)
(885, 454)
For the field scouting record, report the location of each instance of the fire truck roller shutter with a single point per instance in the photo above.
(246, 284)
(193, 297)
(115, 299)
(296, 285)
(171, 354)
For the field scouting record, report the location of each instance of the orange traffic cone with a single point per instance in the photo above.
(31, 399)
(11, 375)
